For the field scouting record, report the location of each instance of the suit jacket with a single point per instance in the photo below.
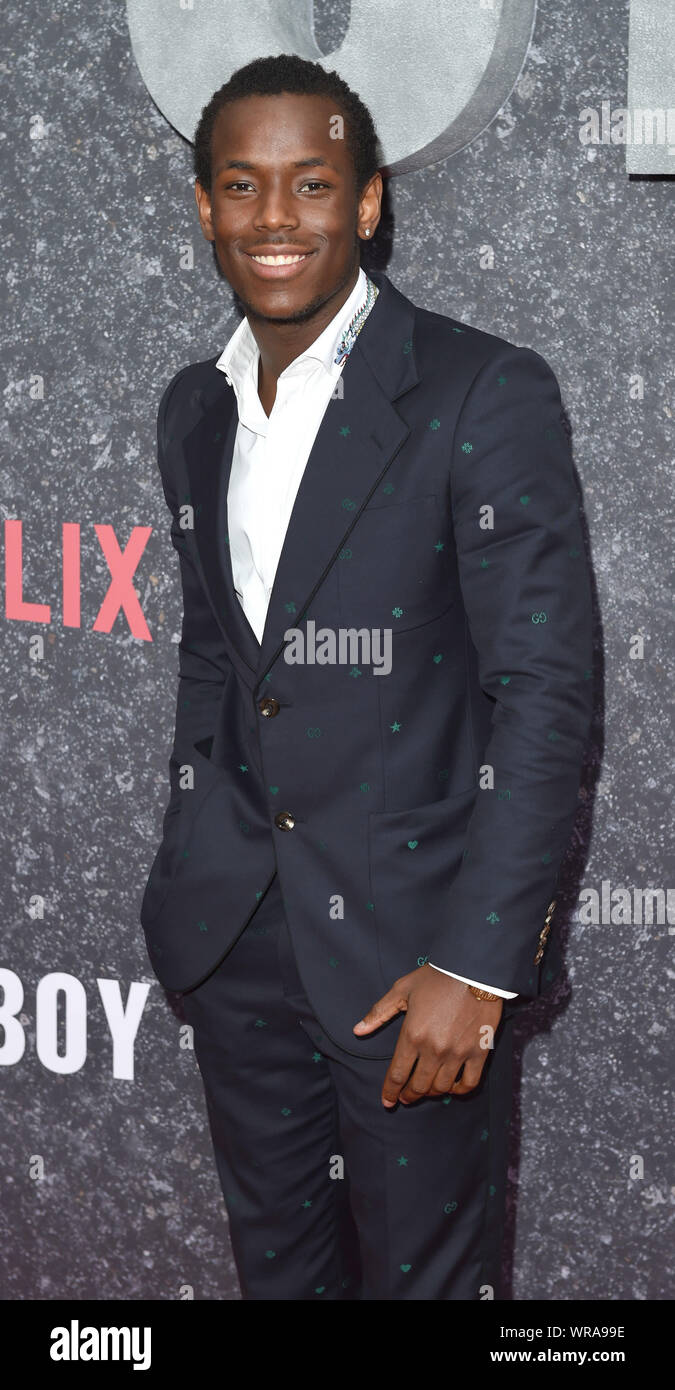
(418, 815)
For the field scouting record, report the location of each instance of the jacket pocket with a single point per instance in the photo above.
(413, 858)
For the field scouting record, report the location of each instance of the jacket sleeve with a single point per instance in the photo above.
(526, 591)
(203, 663)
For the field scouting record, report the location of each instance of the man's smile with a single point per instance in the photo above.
(278, 264)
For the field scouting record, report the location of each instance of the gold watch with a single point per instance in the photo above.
(483, 993)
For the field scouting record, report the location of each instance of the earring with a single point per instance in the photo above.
(367, 231)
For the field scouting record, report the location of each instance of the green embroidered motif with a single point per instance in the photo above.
(467, 448)
(344, 431)
(412, 844)
(434, 424)
(395, 727)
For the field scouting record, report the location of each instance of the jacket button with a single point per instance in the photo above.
(269, 706)
(284, 820)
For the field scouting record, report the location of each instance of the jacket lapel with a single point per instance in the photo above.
(208, 451)
(358, 437)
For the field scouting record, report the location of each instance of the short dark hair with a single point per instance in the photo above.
(285, 72)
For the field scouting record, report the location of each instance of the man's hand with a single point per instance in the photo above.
(446, 1028)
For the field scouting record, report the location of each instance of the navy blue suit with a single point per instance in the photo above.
(422, 814)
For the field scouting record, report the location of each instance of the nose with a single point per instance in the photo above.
(275, 210)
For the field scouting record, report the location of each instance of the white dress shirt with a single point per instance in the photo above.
(269, 459)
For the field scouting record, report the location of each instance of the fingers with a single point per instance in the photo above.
(456, 1081)
(398, 1071)
(421, 1081)
(385, 1008)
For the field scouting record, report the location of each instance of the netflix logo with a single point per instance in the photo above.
(118, 597)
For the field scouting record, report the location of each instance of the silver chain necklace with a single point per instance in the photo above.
(356, 324)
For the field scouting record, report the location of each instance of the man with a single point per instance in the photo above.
(356, 880)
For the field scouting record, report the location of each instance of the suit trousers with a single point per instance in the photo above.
(330, 1195)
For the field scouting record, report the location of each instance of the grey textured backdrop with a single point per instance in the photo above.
(109, 1188)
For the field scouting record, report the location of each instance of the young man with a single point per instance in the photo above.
(363, 837)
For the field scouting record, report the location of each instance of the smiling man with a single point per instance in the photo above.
(355, 885)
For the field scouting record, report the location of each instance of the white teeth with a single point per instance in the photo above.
(278, 260)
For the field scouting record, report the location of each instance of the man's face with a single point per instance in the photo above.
(280, 185)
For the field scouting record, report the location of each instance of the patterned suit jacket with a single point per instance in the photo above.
(420, 814)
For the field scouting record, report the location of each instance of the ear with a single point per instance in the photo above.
(203, 199)
(370, 202)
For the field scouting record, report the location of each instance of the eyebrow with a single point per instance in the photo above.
(313, 161)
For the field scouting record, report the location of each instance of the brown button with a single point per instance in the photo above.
(284, 820)
(268, 706)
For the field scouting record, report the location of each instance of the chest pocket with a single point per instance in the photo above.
(393, 569)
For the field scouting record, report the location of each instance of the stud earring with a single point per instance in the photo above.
(367, 231)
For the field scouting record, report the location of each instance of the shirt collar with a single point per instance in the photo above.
(239, 358)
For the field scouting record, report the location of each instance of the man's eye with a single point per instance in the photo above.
(241, 183)
(314, 183)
